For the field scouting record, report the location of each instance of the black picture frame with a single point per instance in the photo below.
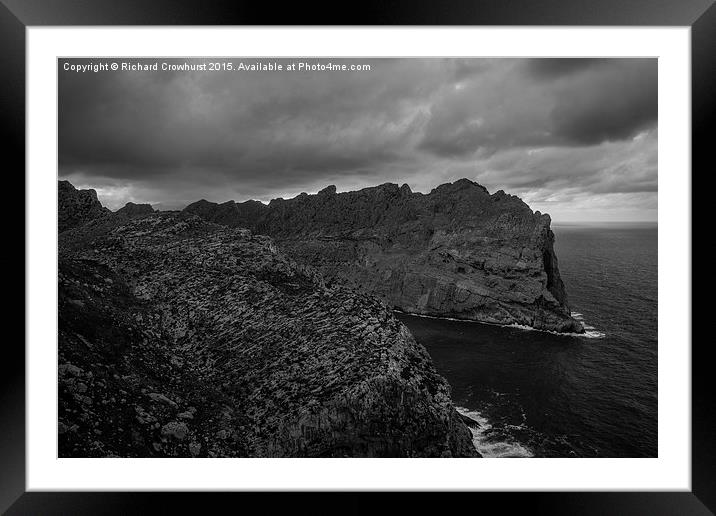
(17, 15)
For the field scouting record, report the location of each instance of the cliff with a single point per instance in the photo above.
(180, 337)
(75, 207)
(131, 210)
(455, 252)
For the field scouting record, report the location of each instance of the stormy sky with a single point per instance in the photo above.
(576, 138)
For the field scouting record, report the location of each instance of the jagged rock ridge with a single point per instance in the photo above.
(180, 337)
(455, 252)
(135, 210)
(76, 207)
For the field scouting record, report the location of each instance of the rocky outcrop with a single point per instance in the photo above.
(229, 213)
(180, 337)
(75, 207)
(455, 252)
(135, 210)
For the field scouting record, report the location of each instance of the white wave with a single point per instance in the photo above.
(589, 332)
(488, 446)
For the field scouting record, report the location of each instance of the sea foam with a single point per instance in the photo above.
(486, 444)
(590, 332)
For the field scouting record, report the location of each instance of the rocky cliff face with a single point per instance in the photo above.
(75, 207)
(455, 252)
(180, 337)
(135, 210)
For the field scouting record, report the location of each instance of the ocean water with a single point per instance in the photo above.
(537, 394)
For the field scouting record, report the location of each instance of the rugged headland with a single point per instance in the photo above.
(457, 251)
(75, 207)
(183, 337)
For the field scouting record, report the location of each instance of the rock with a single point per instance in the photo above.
(188, 414)
(226, 213)
(69, 369)
(155, 396)
(176, 430)
(456, 252)
(471, 423)
(76, 207)
(279, 362)
(194, 449)
(135, 210)
(329, 190)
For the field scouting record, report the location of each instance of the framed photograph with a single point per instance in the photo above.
(437, 249)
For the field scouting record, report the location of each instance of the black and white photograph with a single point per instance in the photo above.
(357, 257)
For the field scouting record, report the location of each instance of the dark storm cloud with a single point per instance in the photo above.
(550, 68)
(608, 106)
(584, 103)
(280, 130)
(172, 137)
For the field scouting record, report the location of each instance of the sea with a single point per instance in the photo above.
(540, 394)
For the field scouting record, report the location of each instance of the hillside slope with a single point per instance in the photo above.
(180, 337)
